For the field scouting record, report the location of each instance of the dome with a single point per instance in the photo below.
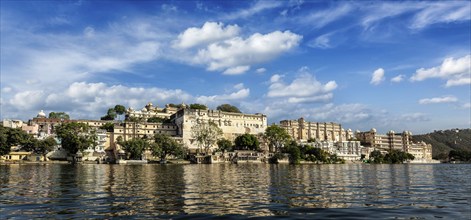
(373, 130)
(391, 132)
(41, 114)
(349, 130)
(183, 105)
(144, 110)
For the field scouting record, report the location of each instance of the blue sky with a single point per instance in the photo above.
(389, 65)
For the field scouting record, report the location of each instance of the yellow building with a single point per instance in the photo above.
(232, 124)
(392, 141)
(302, 130)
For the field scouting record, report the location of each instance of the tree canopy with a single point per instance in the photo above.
(59, 115)
(393, 156)
(134, 148)
(246, 142)
(164, 146)
(206, 135)
(224, 145)
(108, 126)
(112, 113)
(228, 108)
(198, 106)
(276, 137)
(40, 146)
(11, 137)
(76, 136)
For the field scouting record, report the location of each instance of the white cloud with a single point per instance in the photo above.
(208, 33)
(236, 70)
(458, 82)
(442, 12)
(27, 100)
(466, 105)
(304, 88)
(414, 117)
(89, 32)
(398, 78)
(258, 7)
(425, 13)
(90, 100)
(320, 19)
(436, 100)
(241, 93)
(322, 42)
(377, 77)
(455, 71)
(7, 89)
(261, 70)
(237, 52)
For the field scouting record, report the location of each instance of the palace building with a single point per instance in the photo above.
(302, 130)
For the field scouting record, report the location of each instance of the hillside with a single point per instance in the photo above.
(445, 140)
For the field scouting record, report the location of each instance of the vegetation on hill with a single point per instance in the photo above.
(443, 141)
(228, 108)
(198, 106)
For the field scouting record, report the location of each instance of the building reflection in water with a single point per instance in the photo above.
(226, 189)
(106, 191)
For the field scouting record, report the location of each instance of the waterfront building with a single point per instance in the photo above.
(232, 124)
(12, 123)
(393, 141)
(301, 130)
(98, 152)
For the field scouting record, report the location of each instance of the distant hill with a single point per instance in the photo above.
(445, 140)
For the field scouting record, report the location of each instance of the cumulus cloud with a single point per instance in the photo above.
(90, 100)
(241, 53)
(236, 70)
(377, 77)
(437, 100)
(208, 33)
(240, 93)
(304, 88)
(261, 70)
(455, 71)
(398, 78)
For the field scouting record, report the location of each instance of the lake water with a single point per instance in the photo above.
(347, 191)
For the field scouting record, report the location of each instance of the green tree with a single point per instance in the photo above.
(228, 108)
(224, 145)
(164, 146)
(119, 109)
(4, 146)
(206, 135)
(12, 137)
(110, 115)
(246, 142)
(41, 146)
(376, 157)
(108, 126)
(134, 148)
(294, 152)
(76, 136)
(276, 137)
(198, 106)
(59, 115)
